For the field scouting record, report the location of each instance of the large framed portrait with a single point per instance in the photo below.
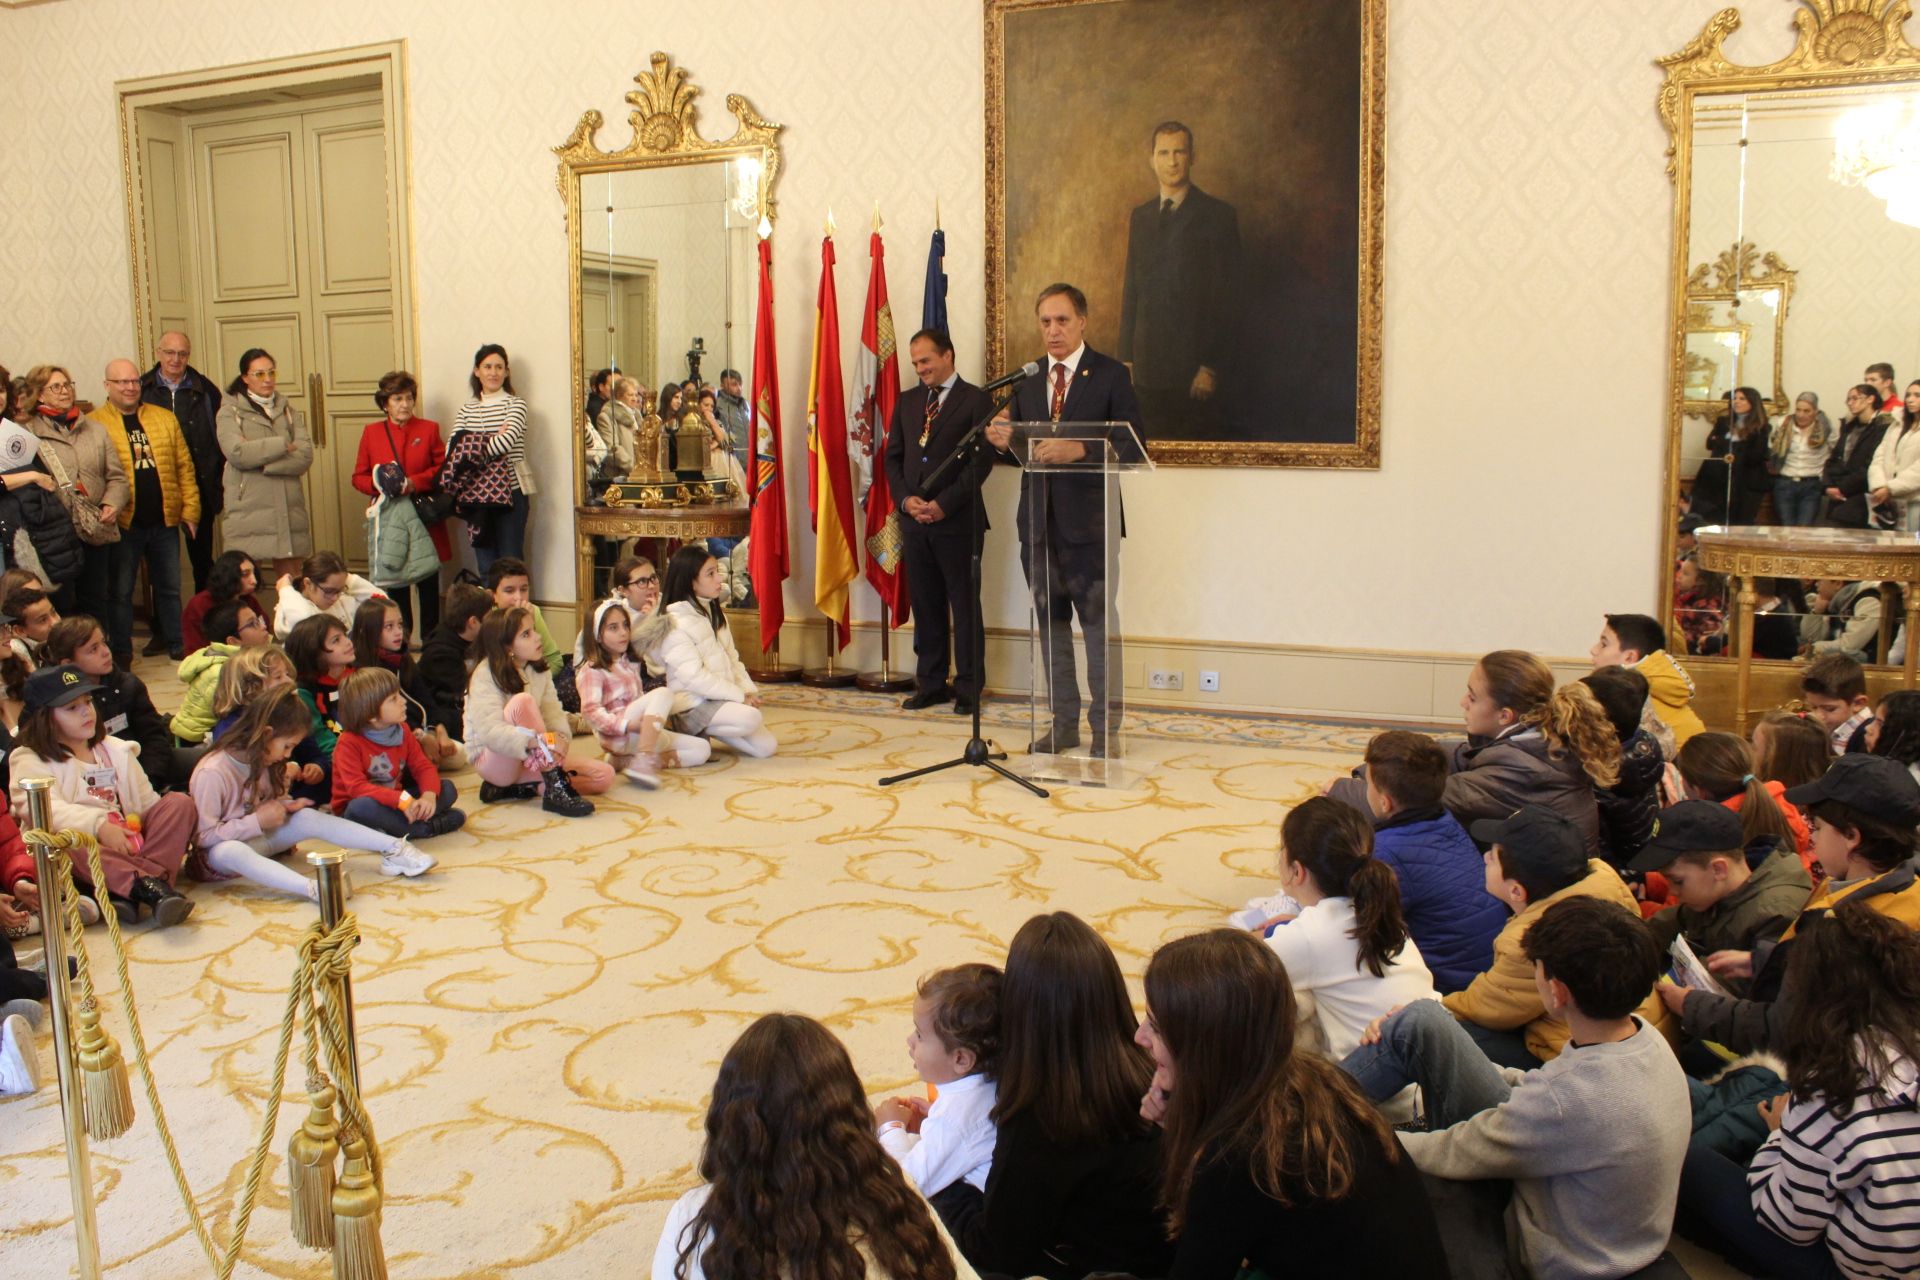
(1209, 173)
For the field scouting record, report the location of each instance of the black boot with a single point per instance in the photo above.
(560, 796)
(489, 793)
(125, 908)
(168, 904)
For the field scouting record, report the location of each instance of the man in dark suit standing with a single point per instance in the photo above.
(938, 533)
(1070, 561)
(1177, 322)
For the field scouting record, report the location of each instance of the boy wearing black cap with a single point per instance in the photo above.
(1537, 858)
(1726, 898)
(1864, 811)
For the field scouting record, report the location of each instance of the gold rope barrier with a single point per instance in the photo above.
(340, 1213)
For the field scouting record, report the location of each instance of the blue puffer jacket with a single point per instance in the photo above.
(1443, 893)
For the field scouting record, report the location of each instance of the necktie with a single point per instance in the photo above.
(1059, 390)
(1166, 210)
(933, 411)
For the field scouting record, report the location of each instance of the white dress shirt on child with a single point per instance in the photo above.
(955, 1142)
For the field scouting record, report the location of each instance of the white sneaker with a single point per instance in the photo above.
(19, 1062)
(405, 860)
(31, 1010)
(89, 910)
(642, 772)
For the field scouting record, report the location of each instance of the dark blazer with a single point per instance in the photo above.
(1846, 469)
(1101, 391)
(909, 465)
(196, 405)
(1176, 309)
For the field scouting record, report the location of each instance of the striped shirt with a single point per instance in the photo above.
(1852, 1181)
(506, 418)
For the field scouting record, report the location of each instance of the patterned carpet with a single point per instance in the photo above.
(540, 1019)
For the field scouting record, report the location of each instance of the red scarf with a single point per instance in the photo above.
(66, 419)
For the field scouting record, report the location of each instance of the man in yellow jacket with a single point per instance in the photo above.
(165, 497)
(1537, 858)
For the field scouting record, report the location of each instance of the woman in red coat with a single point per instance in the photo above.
(416, 445)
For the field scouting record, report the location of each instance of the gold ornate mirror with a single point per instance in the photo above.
(1796, 182)
(662, 239)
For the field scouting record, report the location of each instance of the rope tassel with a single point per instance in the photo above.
(311, 1153)
(357, 1254)
(103, 1076)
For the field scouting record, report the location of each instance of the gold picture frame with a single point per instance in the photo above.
(1333, 422)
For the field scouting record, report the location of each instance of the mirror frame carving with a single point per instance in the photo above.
(665, 133)
(1837, 43)
(1739, 269)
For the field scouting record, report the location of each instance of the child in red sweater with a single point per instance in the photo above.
(381, 777)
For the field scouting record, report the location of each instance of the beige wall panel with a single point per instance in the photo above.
(357, 349)
(275, 331)
(596, 306)
(350, 169)
(250, 206)
(170, 265)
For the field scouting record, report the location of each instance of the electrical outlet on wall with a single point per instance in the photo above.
(1161, 679)
(1209, 682)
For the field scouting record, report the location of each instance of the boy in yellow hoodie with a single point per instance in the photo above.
(1637, 641)
(1537, 858)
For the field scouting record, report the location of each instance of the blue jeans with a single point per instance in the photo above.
(369, 812)
(509, 535)
(1797, 501)
(1716, 1210)
(1423, 1044)
(160, 546)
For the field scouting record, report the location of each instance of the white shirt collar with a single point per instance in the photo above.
(962, 1085)
(1178, 199)
(1072, 362)
(948, 384)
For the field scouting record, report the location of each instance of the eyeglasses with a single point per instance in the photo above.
(251, 623)
(58, 386)
(647, 581)
(172, 351)
(123, 382)
(329, 592)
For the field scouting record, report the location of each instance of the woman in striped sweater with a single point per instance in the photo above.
(496, 410)
(1830, 1192)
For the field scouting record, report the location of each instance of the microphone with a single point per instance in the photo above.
(1026, 370)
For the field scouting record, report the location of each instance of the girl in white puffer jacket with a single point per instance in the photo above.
(713, 695)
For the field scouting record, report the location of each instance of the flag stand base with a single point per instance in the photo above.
(829, 676)
(883, 680)
(773, 671)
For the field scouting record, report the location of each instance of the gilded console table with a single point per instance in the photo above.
(1746, 552)
(667, 524)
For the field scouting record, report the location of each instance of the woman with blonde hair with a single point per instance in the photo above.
(1800, 447)
(88, 476)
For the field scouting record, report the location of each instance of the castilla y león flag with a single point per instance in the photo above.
(876, 389)
(836, 564)
(767, 560)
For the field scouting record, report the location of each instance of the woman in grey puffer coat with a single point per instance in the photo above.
(268, 449)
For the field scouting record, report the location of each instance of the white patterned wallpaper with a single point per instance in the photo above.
(1528, 218)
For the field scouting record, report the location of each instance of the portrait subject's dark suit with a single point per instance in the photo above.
(937, 555)
(1177, 308)
(1069, 562)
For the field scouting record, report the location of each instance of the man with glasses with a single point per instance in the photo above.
(164, 499)
(192, 398)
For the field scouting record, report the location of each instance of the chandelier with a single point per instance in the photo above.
(1878, 147)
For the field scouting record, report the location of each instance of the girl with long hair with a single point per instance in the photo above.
(1792, 749)
(322, 586)
(1827, 1194)
(1893, 477)
(246, 816)
(1527, 743)
(235, 575)
(516, 734)
(713, 694)
(1077, 1170)
(1275, 1161)
(1894, 731)
(1719, 767)
(501, 418)
(794, 1183)
(1348, 952)
(380, 634)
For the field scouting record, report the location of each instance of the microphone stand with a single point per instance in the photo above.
(978, 751)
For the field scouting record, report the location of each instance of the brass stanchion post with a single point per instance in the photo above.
(53, 932)
(330, 869)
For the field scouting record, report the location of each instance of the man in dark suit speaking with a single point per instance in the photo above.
(938, 533)
(1177, 322)
(1070, 562)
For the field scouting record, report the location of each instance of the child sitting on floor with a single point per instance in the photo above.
(713, 694)
(636, 584)
(1894, 731)
(446, 656)
(321, 651)
(1347, 953)
(630, 724)
(380, 643)
(1568, 1171)
(126, 708)
(1640, 642)
(1729, 892)
(233, 626)
(946, 1147)
(100, 788)
(1834, 687)
(1628, 806)
(1536, 860)
(1443, 892)
(1792, 748)
(515, 729)
(381, 776)
(1719, 767)
(245, 814)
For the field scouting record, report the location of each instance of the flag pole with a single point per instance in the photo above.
(831, 676)
(883, 680)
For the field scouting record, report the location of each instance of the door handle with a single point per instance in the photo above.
(317, 409)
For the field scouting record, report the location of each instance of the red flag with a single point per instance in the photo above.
(767, 560)
(876, 381)
(836, 564)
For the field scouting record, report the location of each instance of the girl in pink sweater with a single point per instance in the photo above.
(630, 723)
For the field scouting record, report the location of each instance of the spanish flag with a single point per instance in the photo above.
(829, 478)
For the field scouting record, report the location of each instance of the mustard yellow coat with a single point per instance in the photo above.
(179, 491)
